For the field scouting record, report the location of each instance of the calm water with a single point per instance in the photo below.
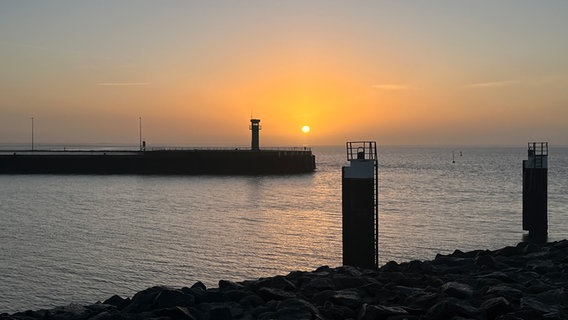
(81, 239)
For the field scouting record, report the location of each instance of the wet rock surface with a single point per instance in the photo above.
(526, 281)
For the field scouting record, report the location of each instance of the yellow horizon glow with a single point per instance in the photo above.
(345, 72)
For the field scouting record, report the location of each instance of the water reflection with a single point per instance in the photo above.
(121, 234)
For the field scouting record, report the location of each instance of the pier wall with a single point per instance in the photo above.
(161, 162)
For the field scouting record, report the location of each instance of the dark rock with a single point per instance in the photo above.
(275, 294)
(195, 291)
(347, 282)
(143, 300)
(177, 313)
(331, 311)
(485, 261)
(504, 263)
(370, 312)
(374, 290)
(452, 261)
(267, 316)
(508, 251)
(100, 307)
(475, 253)
(562, 244)
(458, 290)
(220, 313)
(391, 266)
(422, 300)
(445, 309)
(527, 281)
(522, 315)
(73, 311)
(172, 298)
(29, 314)
(498, 275)
(349, 298)
(265, 308)
(527, 275)
(435, 282)
(293, 314)
(278, 282)
(105, 315)
(321, 297)
(222, 310)
(299, 277)
(466, 310)
(236, 295)
(224, 284)
(449, 308)
(458, 253)
(528, 247)
(322, 272)
(294, 309)
(117, 301)
(252, 300)
(212, 295)
(408, 291)
(537, 286)
(417, 266)
(391, 277)
(300, 304)
(495, 307)
(540, 266)
(199, 285)
(319, 284)
(350, 271)
(406, 317)
(505, 291)
(323, 269)
(557, 296)
(535, 305)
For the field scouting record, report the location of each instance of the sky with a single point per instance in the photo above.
(193, 73)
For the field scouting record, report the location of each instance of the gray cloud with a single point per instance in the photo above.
(391, 87)
(124, 84)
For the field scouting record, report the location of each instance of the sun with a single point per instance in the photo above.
(306, 129)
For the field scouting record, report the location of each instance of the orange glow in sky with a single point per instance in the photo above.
(399, 73)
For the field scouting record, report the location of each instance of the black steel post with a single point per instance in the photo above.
(360, 206)
(535, 189)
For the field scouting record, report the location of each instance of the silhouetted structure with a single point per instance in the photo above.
(161, 160)
(535, 189)
(360, 206)
(158, 161)
(255, 128)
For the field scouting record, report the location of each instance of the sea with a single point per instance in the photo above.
(83, 238)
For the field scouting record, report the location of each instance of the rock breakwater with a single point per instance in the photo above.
(527, 281)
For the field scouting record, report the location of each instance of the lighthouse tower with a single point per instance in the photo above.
(255, 128)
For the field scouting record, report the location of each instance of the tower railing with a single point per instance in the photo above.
(366, 149)
(537, 155)
(538, 148)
